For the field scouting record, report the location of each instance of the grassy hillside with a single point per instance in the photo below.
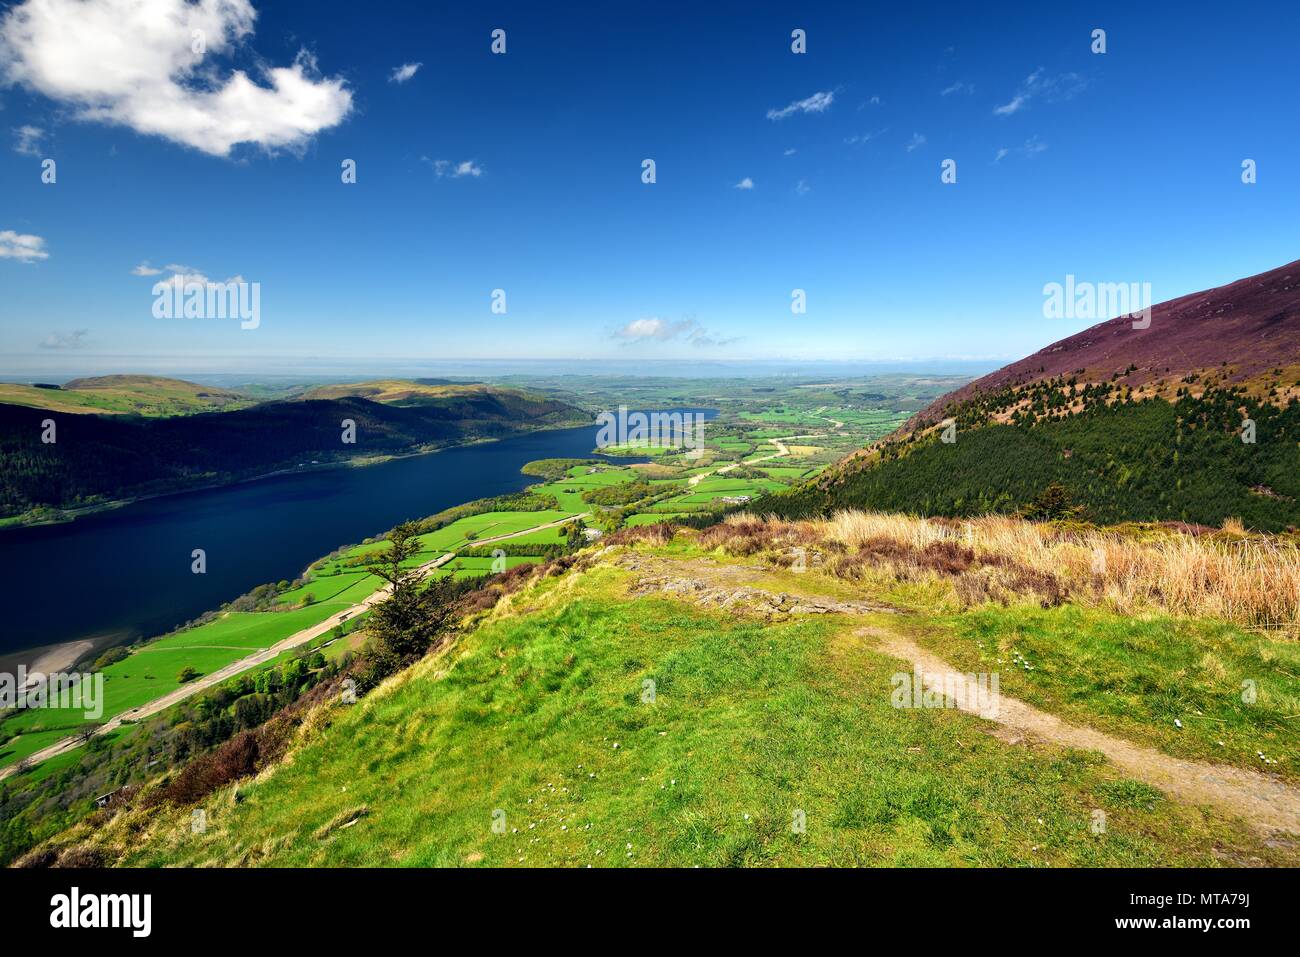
(1119, 459)
(98, 459)
(399, 391)
(123, 395)
(668, 703)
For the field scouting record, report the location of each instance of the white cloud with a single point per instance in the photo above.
(1011, 106)
(688, 330)
(802, 188)
(1036, 85)
(21, 246)
(404, 72)
(817, 103)
(916, 142)
(65, 340)
(790, 152)
(29, 140)
(867, 137)
(745, 183)
(181, 275)
(133, 63)
(454, 170)
(1002, 154)
(960, 86)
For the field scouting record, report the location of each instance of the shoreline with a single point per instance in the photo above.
(72, 514)
(48, 658)
(64, 655)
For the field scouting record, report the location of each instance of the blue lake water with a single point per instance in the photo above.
(125, 574)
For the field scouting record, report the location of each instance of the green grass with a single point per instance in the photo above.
(1135, 676)
(130, 394)
(752, 721)
(636, 448)
(321, 588)
(150, 672)
(649, 518)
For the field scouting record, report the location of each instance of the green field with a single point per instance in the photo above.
(150, 671)
(125, 395)
(336, 584)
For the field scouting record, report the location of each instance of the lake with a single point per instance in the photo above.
(125, 574)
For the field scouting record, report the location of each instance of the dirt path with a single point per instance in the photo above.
(263, 655)
(1264, 802)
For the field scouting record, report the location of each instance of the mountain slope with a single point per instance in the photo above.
(97, 459)
(123, 395)
(1236, 332)
(449, 400)
(1195, 419)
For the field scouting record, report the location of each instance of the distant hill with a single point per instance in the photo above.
(98, 459)
(123, 395)
(1235, 334)
(1112, 424)
(394, 391)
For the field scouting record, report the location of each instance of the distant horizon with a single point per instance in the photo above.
(332, 369)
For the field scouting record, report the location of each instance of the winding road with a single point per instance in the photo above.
(259, 657)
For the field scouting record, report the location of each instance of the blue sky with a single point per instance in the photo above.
(1119, 167)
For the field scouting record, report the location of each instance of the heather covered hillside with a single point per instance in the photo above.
(1195, 419)
(1247, 332)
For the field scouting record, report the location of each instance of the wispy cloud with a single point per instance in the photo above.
(453, 170)
(961, 86)
(802, 188)
(144, 269)
(22, 246)
(1039, 86)
(131, 63)
(65, 340)
(817, 103)
(915, 143)
(860, 138)
(28, 140)
(874, 101)
(404, 72)
(745, 183)
(660, 330)
(1031, 147)
(790, 152)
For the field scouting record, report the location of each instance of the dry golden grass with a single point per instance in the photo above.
(1251, 580)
